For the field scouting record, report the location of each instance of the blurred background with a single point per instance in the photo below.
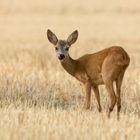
(98, 22)
(108, 19)
(35, 91)
(27, 58)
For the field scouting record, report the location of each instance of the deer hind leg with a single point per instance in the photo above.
(87, 86)
(112, 97)
(110, 72)
(97, 95)
(118, 92)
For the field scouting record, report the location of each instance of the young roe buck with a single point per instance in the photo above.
(104, 67)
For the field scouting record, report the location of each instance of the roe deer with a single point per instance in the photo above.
(104, 67)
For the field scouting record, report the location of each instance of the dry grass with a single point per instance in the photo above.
(38, 99)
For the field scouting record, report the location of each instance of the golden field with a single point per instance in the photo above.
(38, 99)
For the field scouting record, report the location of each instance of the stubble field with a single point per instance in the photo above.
(38, 99)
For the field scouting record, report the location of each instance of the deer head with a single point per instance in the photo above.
(62, 46)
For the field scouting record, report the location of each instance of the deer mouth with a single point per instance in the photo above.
(61, 57)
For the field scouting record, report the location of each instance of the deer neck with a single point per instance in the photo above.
(69, 65)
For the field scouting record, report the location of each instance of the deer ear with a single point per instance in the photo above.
(52, 37)
(72, 37)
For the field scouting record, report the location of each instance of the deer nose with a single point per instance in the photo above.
(61, 56)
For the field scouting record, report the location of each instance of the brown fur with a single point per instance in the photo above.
(104, 67)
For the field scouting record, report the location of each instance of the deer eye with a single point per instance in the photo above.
(56, 49)
(67, 49)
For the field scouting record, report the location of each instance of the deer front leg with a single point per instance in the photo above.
(87, 86)
(97, 95)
